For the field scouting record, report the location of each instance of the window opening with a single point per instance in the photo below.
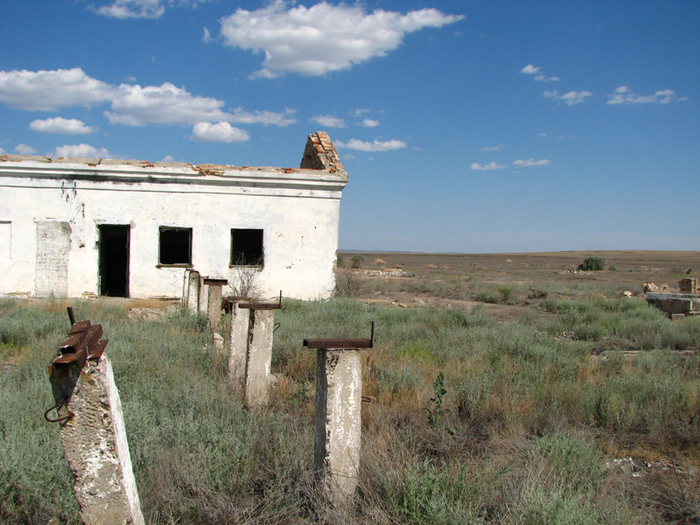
(246, 247)
(175, 245)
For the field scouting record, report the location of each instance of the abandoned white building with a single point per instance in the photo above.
(83, 227)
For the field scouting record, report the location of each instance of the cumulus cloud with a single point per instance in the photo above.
(61, 126)
(207, 36)
(323, 38)
(23, 149)
(125, 9)
(134, 105)
(369, 123)
(328, 121)
(375, 146)
(487, 167)
(530, 70)
(130, 105)
(219, 132)
(623, 95)
(531, 162)
(81, 150)
(50, 90)
(539, 77)
(571, 98)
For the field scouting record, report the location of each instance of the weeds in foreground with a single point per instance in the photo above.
(524, 420)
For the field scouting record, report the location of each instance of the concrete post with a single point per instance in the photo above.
(213, 297)
(191, 291)
(259, 357)
(338, 431)
(238, 343)
(95, 444)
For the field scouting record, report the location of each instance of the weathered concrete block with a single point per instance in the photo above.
(190, 297)
(259, 357)
(338, 423)
(95, 444)
(238, 343)
(214, 289)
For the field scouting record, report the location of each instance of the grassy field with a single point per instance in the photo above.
(491, 402)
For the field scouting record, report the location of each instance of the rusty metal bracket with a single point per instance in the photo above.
(82, 344)
(341, 343)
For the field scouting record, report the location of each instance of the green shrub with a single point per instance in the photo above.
(590, 264)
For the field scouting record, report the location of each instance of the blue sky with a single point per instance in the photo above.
(475, 127)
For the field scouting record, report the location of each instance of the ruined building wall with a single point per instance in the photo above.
(51, 213)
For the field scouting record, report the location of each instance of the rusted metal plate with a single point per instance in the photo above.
(338, 343)
(261, 306)
(96, 351)
(79, 357)
(82, 326)
(72, 342)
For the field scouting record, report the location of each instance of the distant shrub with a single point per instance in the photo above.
(592, 264)
(357, 261)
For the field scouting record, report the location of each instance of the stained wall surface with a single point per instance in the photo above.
(51, 212)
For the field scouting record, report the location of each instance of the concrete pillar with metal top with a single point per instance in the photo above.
(338, 428)
(214, 292)
(258, 361)
(238, 340)
(92, 428)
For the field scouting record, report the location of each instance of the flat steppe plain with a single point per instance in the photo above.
(456, 280)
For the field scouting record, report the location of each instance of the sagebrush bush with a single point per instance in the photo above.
(592, 264)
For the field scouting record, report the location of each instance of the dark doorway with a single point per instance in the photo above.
(114, 260)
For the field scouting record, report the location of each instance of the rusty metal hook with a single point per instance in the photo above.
(61, 419)
(276, 326)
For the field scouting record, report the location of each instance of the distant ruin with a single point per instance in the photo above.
(676, 304)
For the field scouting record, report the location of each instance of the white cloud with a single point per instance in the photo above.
(493, 148)
(219, 132)
(125, 9)
(328, 121)
(130, 105)
(165, 104)
(377, 145)
(530, 70)
(61, 126)
(266, 118)
(571, 98)
(81, 150)
(532, 162)
(359, 112)
(323, 38)
(545, 78)
(23, 149)
(369, 123)
(207, 36)
(487, 167)
(2, 151)
(50, 90)
(623, 95)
